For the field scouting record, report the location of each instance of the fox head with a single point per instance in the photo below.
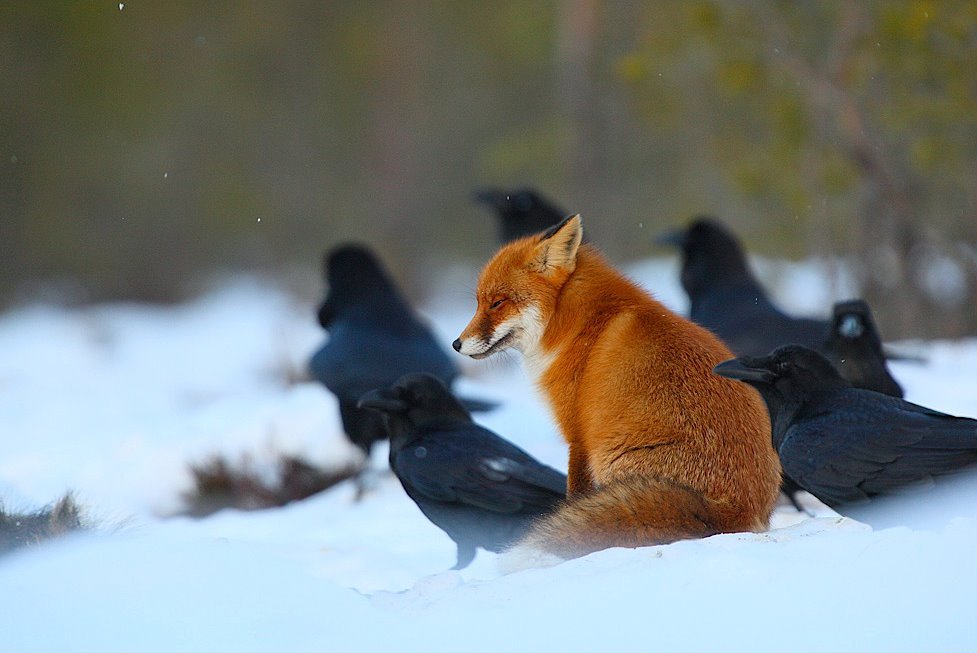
(517, 291)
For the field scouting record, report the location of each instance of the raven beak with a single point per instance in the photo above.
(490, 197)
(740, 371)
(383, 400)
(671, 238)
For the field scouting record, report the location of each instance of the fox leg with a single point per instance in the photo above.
(628, 512)
(579, 479)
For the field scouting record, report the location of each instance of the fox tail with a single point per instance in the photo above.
(629, 512)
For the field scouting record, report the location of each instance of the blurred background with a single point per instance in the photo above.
(146, 146)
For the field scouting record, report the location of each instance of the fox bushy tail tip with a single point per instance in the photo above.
(629, 512)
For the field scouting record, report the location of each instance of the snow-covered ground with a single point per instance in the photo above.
(113, 402)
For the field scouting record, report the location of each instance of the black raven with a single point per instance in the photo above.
(478, 488)
(374, 339)
(727, 299)
(521, 212)
(844, 444)
(854, 347)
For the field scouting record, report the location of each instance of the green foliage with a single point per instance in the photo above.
(140, 147)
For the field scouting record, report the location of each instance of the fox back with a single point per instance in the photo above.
(629, 382)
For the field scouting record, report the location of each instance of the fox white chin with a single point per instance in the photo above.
(523, 333)
(501, 344)
(505, 335)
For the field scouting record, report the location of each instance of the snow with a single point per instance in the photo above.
(114, 401)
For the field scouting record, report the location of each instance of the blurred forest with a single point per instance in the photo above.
(145, 144)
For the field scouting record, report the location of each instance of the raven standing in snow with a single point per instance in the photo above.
(374, 339)
(844, 444)
(478, 488)
(727, 299)
(854, 347)
(521, 212)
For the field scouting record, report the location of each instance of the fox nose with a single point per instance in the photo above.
(457, 344)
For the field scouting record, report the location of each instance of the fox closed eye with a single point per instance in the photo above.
(497, 303)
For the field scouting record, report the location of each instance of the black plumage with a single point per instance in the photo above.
(844, 444)
(374, 339)
(480, 489)
(727, 299)
(521, 212)
(854, 347)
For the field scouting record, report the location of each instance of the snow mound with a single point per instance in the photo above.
(113, 402)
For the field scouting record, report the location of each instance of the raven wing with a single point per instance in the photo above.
(471, 466)
(862, 443)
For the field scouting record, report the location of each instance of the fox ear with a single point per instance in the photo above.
(557, 247)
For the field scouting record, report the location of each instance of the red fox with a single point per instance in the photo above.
(661, 449)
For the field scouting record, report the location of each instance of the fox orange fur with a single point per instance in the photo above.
(660, 448)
